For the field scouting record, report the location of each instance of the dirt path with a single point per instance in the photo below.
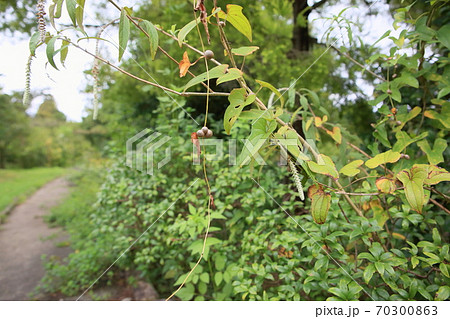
(22, 242)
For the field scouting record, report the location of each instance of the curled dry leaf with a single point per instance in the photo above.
(195, 141)
(200, 6)
(184, 64)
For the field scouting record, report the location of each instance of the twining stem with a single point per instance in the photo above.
(357, 63)
(146, 81)
(210, 197)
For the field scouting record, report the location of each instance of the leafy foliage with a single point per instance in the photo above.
(380, 237)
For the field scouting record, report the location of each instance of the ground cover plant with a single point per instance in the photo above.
(347, 218)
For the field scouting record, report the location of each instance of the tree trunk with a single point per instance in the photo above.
(301, 41)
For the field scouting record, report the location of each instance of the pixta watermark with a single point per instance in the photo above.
(143, 147)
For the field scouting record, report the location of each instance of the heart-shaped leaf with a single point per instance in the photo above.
(351, 169)
(235, 16)
(383, 158)
(413, 180)
(385, 185)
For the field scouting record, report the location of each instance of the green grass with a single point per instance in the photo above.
(75, 208)
(18, 184)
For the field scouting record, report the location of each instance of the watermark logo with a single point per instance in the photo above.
(141, 149)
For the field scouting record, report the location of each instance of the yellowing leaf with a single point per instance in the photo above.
(378, 212)
(318, 121)
(444, 118)
(351, 169)
(325, 166)
(335, 134)
(435, 174)
(184, 64)
(235, 16)
(398, 236)
(244, 51)
(383, 158)
(385, 185)
(413, 181)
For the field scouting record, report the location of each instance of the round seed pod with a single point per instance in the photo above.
(204, 129)
(398, 123)
(200, 133)
(222, 23)
(209, 54)
(209, 133)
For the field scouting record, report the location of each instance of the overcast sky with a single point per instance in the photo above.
(67, 84)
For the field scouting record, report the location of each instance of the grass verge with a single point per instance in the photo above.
(17, 184)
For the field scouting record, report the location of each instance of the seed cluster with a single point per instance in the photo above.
(204, 132)
(41, 19)
(297, 181)
(26, 94)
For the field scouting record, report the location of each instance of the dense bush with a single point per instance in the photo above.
(374, 231)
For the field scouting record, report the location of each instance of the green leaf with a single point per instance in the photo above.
(79, 13)
(50, 50)
(407, 116)
(34, 41)
(153, 37)
(213, 73)
(351, 169)
(443, 92)
(185, 31)
(406, 79)
(71, 9)
(232, 74)
(413, 181)
(124, 32)
(254, 114)
(273, 89)
(403, 140)
(220, 262)
(238, 100)
(205, 277)
(383, 158)
(244, 51)
(235, 16)
(368, 273)
(64, 51)
(414, 261)
(324, 166)
(261, 130)
(319, 206)
(443, 35)
(187, 292)
(380, 268)
(443, 293)
(218, 277)
(435, 155)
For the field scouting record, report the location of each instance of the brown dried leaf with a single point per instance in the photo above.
(184, 64)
